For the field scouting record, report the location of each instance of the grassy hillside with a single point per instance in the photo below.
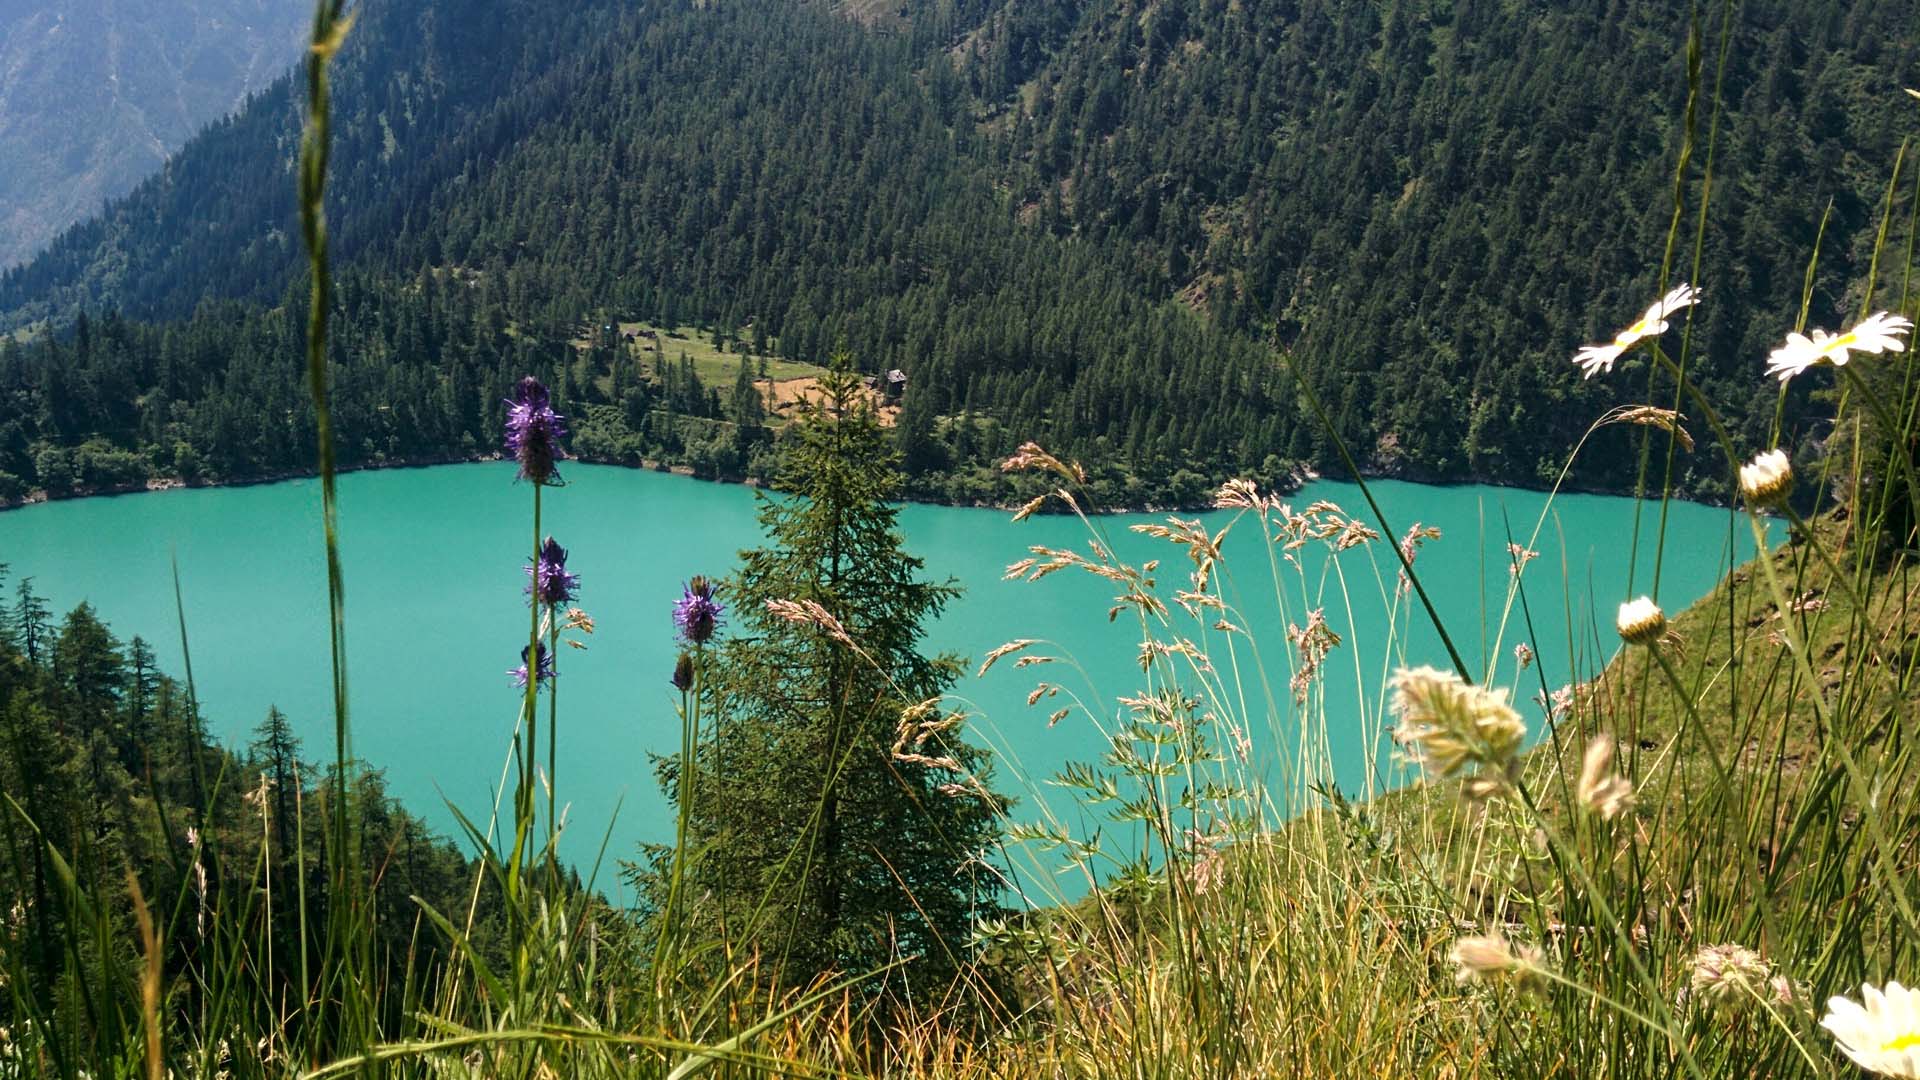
(1684, 907)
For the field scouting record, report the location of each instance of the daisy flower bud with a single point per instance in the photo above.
(1641, 621)
(1768, 479)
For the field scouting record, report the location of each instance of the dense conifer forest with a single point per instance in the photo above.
(1100, 224)
(124, 783)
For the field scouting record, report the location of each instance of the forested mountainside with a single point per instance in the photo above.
(94, 94)
(1094, 224)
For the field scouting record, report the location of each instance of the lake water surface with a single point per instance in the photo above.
(435, 615)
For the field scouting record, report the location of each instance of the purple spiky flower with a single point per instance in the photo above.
(697, 614)
(548, 580)
(544, 663)
(534, 431)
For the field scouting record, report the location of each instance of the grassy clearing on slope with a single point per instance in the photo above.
(717, 367)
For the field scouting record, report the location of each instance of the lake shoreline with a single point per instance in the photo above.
(1297, 479)
(173, 483)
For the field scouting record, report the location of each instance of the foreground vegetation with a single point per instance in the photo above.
(1706, 854)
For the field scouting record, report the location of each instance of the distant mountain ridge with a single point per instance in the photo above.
(94, 94)
(1088, 222)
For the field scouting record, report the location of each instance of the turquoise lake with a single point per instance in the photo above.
(435, 616)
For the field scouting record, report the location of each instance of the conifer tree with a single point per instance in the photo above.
(30, 620)
(143, 683)
(29, 771)
(89, 667)
(276, 751)
(747, 409)
(805, 791)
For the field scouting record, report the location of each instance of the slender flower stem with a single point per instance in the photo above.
(1692, 714)
(523, 791)
(689, 725)
(1879, 410)
(1797, 649)
(553, 726)
(1839, 580)
(1353, 469)
(525, 824)
(1567, 859)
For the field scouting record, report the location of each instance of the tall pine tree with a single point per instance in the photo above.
(275, 751)
(822, 789)
(30, 620)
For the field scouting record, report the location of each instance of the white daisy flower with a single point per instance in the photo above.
(1598, 358)
(1883, 1036)
(1876, 334)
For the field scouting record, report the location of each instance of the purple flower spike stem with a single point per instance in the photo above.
(533, 434)
(550, 585)
(697, 615)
